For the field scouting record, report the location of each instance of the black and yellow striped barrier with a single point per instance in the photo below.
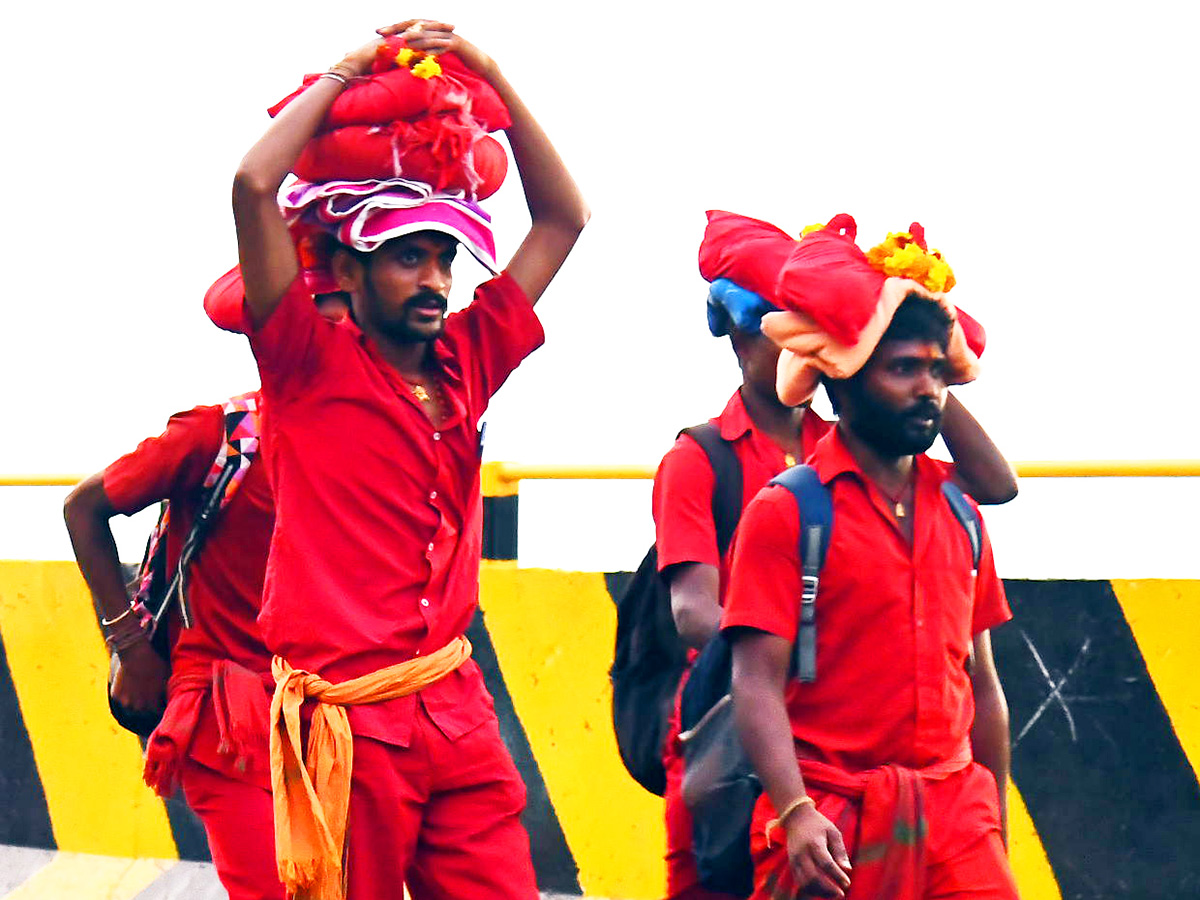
(1105, 712)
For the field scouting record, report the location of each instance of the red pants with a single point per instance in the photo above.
(966, 859)
(442, 816)
(238, 819)
(683, 882)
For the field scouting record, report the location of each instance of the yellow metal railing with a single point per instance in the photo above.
(1088, 468)
(40, 480)
(512, 473)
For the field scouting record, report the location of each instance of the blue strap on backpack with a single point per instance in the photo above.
(815, 504)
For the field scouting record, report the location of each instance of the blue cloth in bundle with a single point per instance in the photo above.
(731, 306)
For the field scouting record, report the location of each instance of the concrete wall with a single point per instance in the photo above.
(1105, 710)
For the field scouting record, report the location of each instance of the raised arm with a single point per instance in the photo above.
(265, 249)
(141, 681)
(556, 206)
(982, 471)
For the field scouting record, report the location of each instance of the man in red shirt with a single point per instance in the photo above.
(212, 739)
(897, 754)
(767, 437)
(371, 438)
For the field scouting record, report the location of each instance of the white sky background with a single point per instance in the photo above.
(1048, 148)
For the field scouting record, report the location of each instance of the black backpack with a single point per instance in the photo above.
(649, 657)
(720, 786)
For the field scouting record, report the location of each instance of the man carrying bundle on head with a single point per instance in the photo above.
(767, 436)
(864, 689)
(371, 438)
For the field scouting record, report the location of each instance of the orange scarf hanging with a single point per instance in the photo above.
(312, 794)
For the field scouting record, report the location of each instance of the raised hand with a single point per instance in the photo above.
(432, 37)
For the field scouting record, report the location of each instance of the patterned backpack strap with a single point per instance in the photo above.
(225, 476)
(242, 438)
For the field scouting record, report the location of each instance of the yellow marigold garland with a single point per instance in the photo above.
(422, 65)
(900, 256)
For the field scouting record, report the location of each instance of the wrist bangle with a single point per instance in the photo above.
(106, 622)
(334, 76)
(804, 800)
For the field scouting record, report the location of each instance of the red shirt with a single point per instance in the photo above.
(683, 486)
(894, 621)
(375, 557)
(225, 581)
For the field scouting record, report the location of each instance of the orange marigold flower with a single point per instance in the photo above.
(404, 57)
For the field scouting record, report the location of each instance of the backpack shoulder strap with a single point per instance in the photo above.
(239, 448)
(968, 517)
(727, 486)
(815, 505)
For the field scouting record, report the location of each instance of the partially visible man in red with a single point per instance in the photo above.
(767, 437)
(372, 441)
(896, 756)
(213, 736)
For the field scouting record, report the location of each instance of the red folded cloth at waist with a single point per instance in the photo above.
(890, 859)
(239, 706)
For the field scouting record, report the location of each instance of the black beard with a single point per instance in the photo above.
(399, 331)
(894, 433)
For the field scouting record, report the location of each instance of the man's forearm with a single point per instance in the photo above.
(265, 250)
(550, 192)
(87, 512)
(760, 671)
(982, 469)
(767, 738)
(990, 743)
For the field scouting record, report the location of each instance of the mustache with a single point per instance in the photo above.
(924, 409)
(424, 297)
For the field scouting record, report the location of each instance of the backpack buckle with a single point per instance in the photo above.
(808, 597)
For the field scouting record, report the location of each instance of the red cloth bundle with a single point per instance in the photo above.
(394, 124)
(749, 252)
(834, 304)
(824, 276)
(397, 94)
(418, 152)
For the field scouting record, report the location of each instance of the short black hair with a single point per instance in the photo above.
(918, 318)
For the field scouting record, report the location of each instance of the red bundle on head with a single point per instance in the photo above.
(426, 120)
(827, 277)
(431, 150)
(748, 252)
(835, 301)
